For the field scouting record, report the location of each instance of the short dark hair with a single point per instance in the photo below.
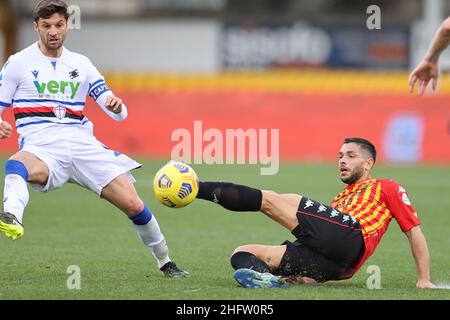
(365, 145)
(46, 8)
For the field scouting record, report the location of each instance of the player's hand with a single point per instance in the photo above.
(5, 130)
(425, 284)
(114, 104)
(422, 74)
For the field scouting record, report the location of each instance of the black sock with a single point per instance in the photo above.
(231, 196)
(248, 260)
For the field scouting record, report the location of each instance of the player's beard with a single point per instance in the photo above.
(54, 47)
(357, 174)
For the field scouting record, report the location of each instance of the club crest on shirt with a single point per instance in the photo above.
(406, 199)
(74, 74)
(59, 111)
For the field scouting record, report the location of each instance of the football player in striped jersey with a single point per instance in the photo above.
(46, 86)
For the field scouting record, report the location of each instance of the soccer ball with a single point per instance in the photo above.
(175, 184)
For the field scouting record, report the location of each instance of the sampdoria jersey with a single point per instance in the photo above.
(48, 92)
(374, 202)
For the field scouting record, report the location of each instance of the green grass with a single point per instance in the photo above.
(71, 226)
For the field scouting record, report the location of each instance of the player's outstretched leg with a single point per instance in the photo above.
(15, 198)
(121, 193)
(231, 196)
(281, 208)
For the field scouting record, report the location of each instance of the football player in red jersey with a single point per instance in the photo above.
(332, 242)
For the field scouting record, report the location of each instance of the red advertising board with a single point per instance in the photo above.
(311, 126)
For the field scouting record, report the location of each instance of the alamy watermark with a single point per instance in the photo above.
(75, 17)
(74, 279)
(374, 280)
(374, 20)
(234, 146)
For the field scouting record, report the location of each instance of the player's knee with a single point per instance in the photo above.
(247, 248)
(133, 206)
(269, 199)
(241, 249)
(24, 157)
(37, 170)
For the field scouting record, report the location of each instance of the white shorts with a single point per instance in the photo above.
(80, 159)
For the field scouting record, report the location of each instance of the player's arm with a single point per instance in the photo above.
(421, 255)
(428, 69)
(5, 127)
(103, 96)
(440, 42)
(9, 80)
(401, 208)
(113, 106)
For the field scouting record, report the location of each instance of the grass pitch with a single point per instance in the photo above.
(72, 226)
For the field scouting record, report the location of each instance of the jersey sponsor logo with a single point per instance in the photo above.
(60, 111)
(55, 87)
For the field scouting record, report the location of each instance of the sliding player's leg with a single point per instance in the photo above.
(255, 265)
(261, 258)
(281, 208)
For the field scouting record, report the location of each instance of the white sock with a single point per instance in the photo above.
(15, 196)
(152, 237)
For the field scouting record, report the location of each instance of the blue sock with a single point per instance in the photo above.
(143, 217)
(15, 196)
(16, 167)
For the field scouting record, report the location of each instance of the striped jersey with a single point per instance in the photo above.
(49, 92)
(374, 202)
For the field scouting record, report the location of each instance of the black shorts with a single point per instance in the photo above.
(329, 244)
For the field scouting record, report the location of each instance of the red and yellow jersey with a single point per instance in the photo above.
(374, 202)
